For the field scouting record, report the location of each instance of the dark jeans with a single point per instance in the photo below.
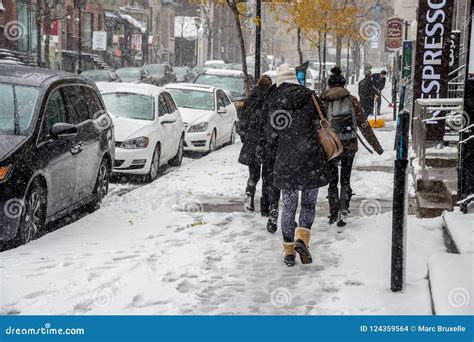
(340, 201)
(288, 215)
(379, 104)
(270, 194)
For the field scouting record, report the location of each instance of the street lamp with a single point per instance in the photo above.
(80, 5)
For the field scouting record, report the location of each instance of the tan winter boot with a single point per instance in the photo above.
(302, 236)
(290, 253)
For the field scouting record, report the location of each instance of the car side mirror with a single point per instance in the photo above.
(63, 131)
(167, 119)
(222, 110)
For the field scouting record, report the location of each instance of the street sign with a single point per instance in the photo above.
(394, 33)
(407, 59)
(99, 40)
(432, 51)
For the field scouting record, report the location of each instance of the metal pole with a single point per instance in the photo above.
(395, 86)
(400, 204)
(258, 38)
(79, 43)
(39, 22)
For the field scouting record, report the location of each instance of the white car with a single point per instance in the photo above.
(209, 116)
(149, 130)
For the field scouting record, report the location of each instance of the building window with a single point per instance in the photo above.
(26, 17)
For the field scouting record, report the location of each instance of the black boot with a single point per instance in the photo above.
(342, 220)
(264, 207)
(333, 200)
(272, 224)
(249, 205)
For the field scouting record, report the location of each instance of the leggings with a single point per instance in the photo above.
(290, 204)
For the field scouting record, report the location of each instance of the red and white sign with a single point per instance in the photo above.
(394, 33)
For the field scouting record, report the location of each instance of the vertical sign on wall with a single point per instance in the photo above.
(394, 33)
(432, 52)
(466, 144)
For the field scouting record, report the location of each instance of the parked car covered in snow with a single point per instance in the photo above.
(161, 74)
(231, 81)
(209, 115)
(149, 131)
(135, 75)
(56, 148)
(184, 74)
(106, 75)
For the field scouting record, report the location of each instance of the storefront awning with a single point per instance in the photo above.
(132, 21)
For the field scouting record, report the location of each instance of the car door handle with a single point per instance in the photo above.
(76, 149)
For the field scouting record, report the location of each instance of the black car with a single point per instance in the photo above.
(135, 75)
(161, 74)
(102, 75)
(56, 148)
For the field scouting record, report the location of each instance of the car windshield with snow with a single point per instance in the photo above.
(132, 106)
(17, 104)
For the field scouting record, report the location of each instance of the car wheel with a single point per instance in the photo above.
(34, 214)
(101, 187)
(155, 165)
(213, 142)
(233, 134)
(178, 158)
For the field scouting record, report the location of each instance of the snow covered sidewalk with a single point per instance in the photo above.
(159, 250)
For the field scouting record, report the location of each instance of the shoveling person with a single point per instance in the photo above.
(346, 116)
(300, 163)
(379, 80)
(367, 93)
(251, 129)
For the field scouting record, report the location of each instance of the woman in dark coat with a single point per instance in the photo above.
(300, 163)
(250, 131)
(333, 97)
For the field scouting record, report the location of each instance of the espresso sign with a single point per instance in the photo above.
(432, 57)
(394, 33)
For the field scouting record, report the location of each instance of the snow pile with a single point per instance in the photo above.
(452, 284)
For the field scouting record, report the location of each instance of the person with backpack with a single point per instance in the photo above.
(300, 161)
(251, 129)
(346, 116)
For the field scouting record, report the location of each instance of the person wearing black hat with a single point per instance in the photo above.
(346, 115)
